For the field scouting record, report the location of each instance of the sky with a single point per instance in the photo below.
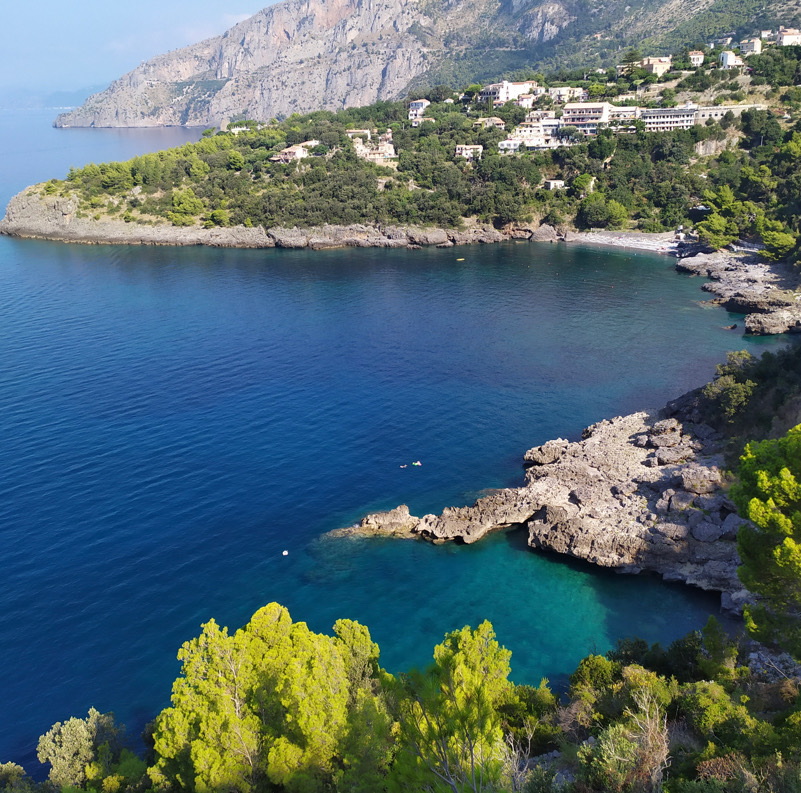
(53, 45)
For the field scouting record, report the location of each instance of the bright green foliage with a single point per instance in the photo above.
(450, 730)
(274, 702)
(617, 214)
(717, 232)
(710, 710)
(72, 747)
(610, 764)
(186, 206)
(236, 162)
(594, 671)
(528, 715)
(769, 494)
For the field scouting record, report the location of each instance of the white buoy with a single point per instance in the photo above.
(286, 553)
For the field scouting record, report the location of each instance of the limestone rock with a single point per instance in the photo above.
(544, 233)
(546, 454)
(396, 521)
(707, 532)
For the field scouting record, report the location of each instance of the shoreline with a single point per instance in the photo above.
(639, 493)
(764, 291)
(32, 215)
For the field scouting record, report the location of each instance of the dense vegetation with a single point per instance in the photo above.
(276, 707)
(648, 181)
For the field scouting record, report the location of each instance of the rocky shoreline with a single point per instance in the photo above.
(765, 291)
(643, 492)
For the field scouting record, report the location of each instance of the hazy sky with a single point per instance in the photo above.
(62, 45)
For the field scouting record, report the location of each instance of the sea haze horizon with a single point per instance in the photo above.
(176, 418)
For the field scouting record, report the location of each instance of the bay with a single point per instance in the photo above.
(174, 419)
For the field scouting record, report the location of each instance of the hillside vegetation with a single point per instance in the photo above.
(647, 181)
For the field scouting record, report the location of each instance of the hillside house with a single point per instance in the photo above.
(554, 184)
(589, 117)
(657, 65)
(788, 37)
(372, 151)
(728, 60)
(417, 107)
(469, 152)
(294, 153)
(504, 92)
(696, 58)
(750, 47)
(566, 93)
(490, 122)
(361, 133)
(422, 120)
(510, 145)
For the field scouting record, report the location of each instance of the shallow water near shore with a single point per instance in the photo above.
(174, 419)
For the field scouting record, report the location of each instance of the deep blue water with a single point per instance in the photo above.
(173, 419)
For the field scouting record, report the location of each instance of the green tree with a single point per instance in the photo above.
(450, 729)
(268, 704)
(769, 494)
(71, 747)
(716, 231)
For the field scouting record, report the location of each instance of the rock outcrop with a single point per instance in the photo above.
(764, 291)
(302, 55)
(638, 493)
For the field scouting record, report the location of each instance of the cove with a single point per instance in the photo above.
(174, 419)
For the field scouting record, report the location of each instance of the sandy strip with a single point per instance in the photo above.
(662, 242)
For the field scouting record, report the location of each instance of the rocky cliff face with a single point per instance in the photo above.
(301, 55)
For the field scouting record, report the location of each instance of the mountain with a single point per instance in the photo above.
(302, 55)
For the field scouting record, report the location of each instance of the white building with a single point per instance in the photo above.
(418, 120)
(728, 60)
(554, 184)
(505, 92)
(469, 152)
(697, 58)
(510, 145)
(589, 117)
(750, 47)
(565, 93)
(788, 37)
(417, 107)
(666, 119)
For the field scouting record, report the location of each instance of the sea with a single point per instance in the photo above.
(181, 427)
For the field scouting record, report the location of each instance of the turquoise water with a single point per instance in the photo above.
(174, 419)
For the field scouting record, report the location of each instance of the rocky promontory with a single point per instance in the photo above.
(35, 215)
(764, 291)
(638, 493)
